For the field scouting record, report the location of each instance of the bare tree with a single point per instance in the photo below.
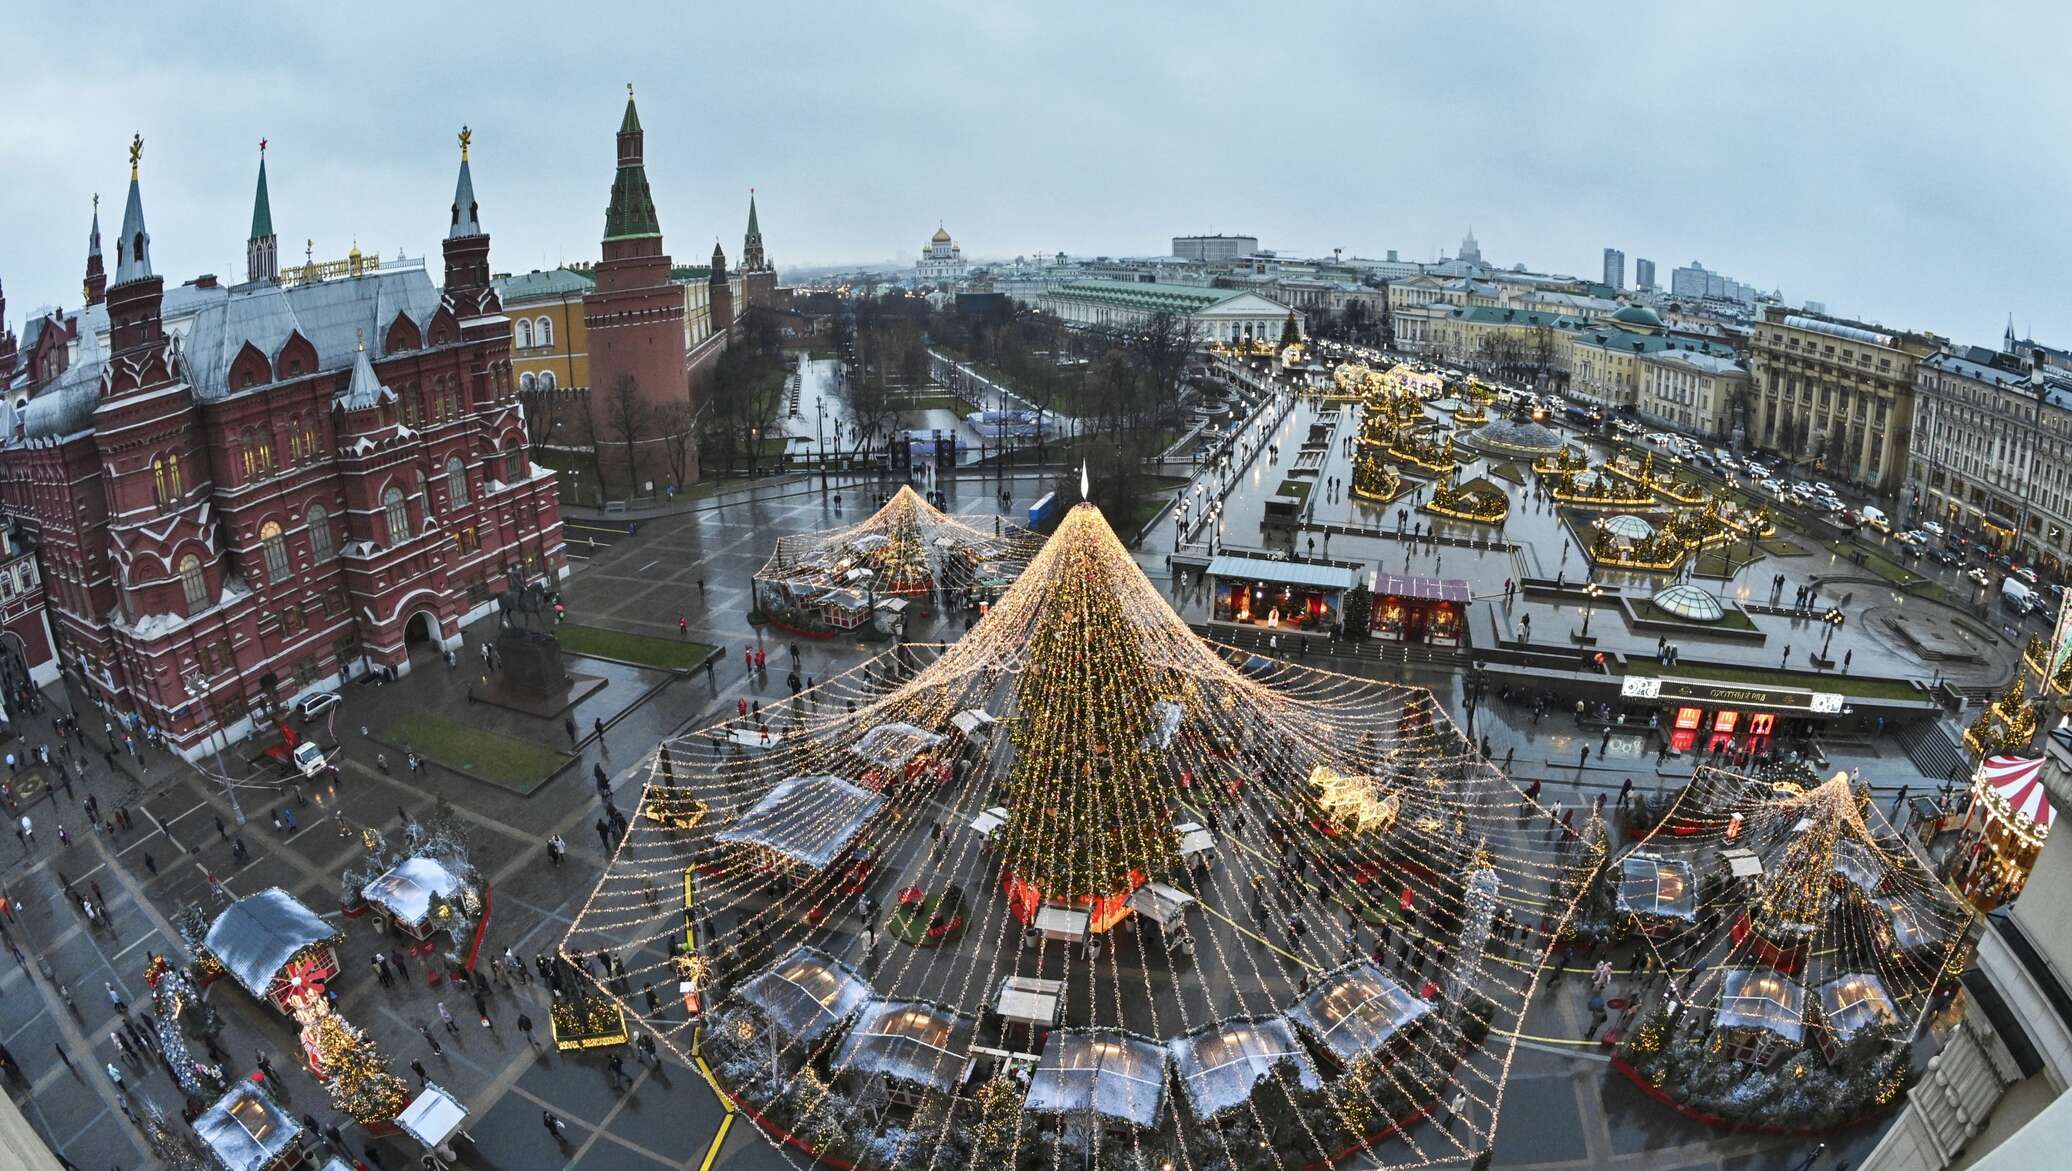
(629, 419)
(542, 415)
(678, 422)
(589, 433)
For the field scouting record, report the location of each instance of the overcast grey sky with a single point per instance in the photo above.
(1901, 162)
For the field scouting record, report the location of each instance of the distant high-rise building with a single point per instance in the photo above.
(1615, 268)
(1688, 281)
(1643, 273)
(1214, 248)
(1470, 251)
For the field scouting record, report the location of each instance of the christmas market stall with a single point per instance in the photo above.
(414, 895)
(274, 946)
(434, 1118)
(246, 1130)
(1761, 1013)
(1299, 597)
(1420, 610)
(909, 1049)
(1847, 1007)
(806, 996)
(1356, 1011)
(803, 824)
(1104, 1077)
(1659, 894)
(1219, 1066)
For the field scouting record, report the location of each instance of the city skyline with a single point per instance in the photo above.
(1092, 133)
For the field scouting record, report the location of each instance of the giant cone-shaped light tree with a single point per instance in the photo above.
(846, 902)
(1089, 796)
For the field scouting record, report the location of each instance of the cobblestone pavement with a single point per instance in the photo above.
(1563, 1110)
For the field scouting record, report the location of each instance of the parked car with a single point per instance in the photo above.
(1929, 526)
(1979, 576)
(316, 704)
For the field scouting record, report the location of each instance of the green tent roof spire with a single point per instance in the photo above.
(262, 207)
(632, 210)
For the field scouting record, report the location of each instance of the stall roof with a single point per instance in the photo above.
(1356, 1010)
(432, 1116)
(1103, 1071)
(246, 1130)
(924, 1044)
(1907, 929)
(1762, 998)
(807, 993)
(890, 745)
(1160, 903)
(408, 889)
(1651, 885)
(1853, 1002)
(1303, 573)
(971, 721)
(1430, 589)
(1219, 1066)
(807, 819)
(256, 936)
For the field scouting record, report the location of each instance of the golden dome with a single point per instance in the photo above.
(940, 237)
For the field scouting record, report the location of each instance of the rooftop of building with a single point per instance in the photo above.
(544, 285)
(1497, 315)
(335, 316)
(1143, 295)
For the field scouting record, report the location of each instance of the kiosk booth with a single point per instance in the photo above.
(1298, 597)
(1421, 610)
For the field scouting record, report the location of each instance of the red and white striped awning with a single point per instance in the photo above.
(2018, 781)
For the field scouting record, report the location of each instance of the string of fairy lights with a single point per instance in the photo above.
(1348, 819)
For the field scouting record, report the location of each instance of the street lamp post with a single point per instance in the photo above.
(820, 440)
(1834, 620)
(1590, 592)
(196, 689)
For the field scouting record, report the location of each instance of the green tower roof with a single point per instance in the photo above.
(262, 207)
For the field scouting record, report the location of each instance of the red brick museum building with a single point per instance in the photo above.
(238, 493)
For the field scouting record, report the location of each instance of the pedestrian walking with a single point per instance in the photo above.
(617, 1066)
(150, 864)
(525, 1027)
(445, 1017)
(426, 1033)
(553, 1125)
(654, 1002)
(1455, 1106)
(382, 973)
(424, 1077)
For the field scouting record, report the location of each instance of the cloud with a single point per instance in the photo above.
(1889, 159)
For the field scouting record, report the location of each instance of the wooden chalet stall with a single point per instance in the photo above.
(1355, 1010)
(1099, 1076)
(414, 894)
(246, 1130)
(1219, 1066)
(274, 946)
(909, 1049)
(1761, 1015)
